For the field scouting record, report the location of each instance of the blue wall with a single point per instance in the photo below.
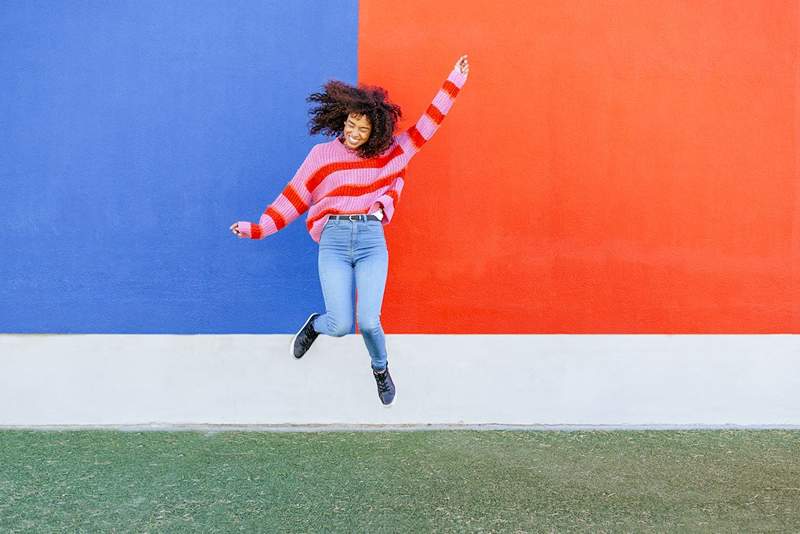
(133, 135)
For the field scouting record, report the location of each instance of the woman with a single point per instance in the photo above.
(350, 187)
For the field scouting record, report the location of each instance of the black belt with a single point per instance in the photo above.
(357, 217)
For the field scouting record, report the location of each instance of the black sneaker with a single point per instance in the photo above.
(386, 389)
(304, 337)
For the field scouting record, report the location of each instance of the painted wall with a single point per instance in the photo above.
(134, 133)
(610, 167)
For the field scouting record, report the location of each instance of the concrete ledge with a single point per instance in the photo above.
(214, 429)
(537, 381)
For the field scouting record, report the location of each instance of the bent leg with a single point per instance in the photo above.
(336, 278)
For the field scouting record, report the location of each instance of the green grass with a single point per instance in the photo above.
(443, 481)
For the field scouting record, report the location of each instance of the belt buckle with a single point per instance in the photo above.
(357, 217)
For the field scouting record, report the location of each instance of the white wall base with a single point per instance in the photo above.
(618, 380)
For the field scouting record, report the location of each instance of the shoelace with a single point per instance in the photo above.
(383, 384)
(309, 337)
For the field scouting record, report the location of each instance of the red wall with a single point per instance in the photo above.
(609, 167)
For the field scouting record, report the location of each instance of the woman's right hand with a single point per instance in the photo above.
(235, 230)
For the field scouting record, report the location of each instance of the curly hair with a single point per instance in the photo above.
(339, 100)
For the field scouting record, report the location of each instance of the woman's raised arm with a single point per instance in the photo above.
(416, 136)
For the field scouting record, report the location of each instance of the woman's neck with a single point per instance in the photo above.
(341, 140)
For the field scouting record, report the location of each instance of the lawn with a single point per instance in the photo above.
(421, 481)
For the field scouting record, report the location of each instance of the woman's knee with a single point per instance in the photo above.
(369, 324)
(339, 328)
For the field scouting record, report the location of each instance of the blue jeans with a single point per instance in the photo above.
(348, 248)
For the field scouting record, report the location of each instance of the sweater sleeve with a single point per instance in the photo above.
(416, 136)
(293, 201)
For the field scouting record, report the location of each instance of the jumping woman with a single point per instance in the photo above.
(350, 187)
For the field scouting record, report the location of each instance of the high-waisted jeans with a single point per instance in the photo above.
(349, 249)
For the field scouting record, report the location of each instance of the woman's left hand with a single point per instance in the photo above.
(463, 64)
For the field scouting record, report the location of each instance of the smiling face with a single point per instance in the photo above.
(356, 130)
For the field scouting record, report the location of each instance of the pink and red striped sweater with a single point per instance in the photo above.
(334, 179)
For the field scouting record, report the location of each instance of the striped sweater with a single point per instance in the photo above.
(334, 179)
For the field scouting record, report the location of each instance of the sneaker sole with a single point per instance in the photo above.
(291, 345)
(391, 403)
